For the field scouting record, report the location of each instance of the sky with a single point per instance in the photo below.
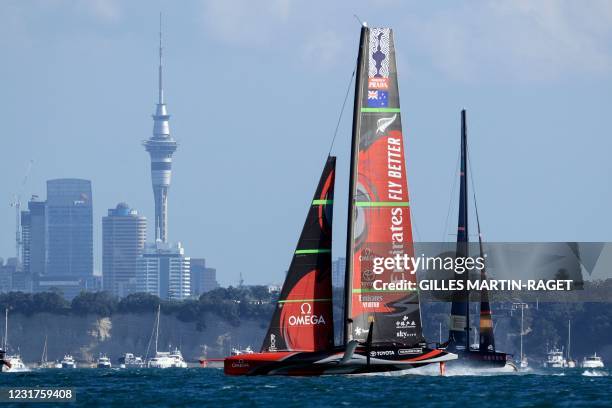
(255, 89)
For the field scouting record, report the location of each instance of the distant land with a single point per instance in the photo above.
(97, 322)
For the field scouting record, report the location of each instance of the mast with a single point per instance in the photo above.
(569, 339)
(6, 329)
(522, 309)
(460, 309)
(44, 354)
(348, 276)
(157, 327)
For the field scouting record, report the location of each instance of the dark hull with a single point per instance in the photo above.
(296, 363)
(482, 360)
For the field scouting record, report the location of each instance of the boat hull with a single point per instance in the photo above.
(302, 363)
(593, 365)
(481, 360)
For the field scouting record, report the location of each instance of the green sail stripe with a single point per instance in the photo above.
(382, 203)
(385, 110)
(303, 300)
(322, 202)
(312, 251)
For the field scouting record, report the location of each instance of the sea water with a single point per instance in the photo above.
(136, 388)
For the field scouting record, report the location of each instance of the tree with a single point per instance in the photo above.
(98, 303)
(138, 303)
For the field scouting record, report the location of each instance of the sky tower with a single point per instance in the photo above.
(161, 146)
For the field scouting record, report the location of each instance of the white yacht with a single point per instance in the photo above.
(162, 359)
(238, 351)
(103, 361)
(129, 360)
(13, 362)
(165, 359)
(177, 356)
(593, 361)
(555, 359)
(524, 363)
(68, 362)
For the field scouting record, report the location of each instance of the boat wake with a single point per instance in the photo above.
(18, 370)
(460, 370)
(595, 373)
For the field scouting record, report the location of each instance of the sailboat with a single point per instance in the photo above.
(44, 361)
(165, 359)
(483, 354)
(15, 364)
(382, 327)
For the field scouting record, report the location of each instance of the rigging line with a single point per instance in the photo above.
(450, 203)
(414, 222)
(348, 90)
(150, 340)
(469, 163)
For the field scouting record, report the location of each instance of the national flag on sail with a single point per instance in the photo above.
(378, 99)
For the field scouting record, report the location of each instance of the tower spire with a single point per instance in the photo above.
(160, 80)
(161, 146)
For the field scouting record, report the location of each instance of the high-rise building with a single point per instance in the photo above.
(203, 279)
(69, 228)
(338, 271)
(123, 240)
(164, 270)
(33, 238)
(161, 146)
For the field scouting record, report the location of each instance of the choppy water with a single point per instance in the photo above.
(210, 387)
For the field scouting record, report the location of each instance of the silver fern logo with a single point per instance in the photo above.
(383, 123)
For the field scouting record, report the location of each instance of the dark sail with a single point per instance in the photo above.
(303, 317)
(487, 338)
(379, 214)
(460, 312)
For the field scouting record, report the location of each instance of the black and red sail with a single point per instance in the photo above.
(303, 319)
(379, 222)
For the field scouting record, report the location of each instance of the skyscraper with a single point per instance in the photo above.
(123, 240)
(164, 270)
(203, 279)
(161, 146)
(338, 271)
(69, 228)
(33, 237)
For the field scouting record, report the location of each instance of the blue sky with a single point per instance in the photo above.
(255, 89)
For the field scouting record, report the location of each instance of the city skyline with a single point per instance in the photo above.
(239, 108)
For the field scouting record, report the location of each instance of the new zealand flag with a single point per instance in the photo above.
(378, 99)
